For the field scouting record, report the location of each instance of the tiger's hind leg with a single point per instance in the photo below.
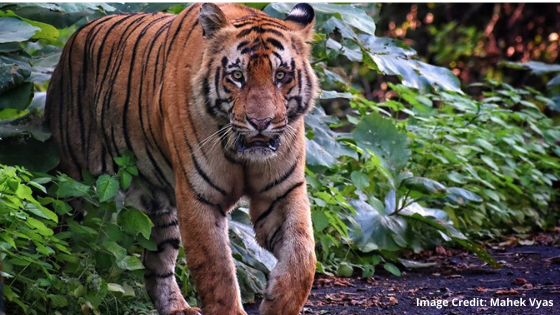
(159, 276)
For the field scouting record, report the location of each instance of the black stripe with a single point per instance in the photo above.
(277, 55)
(259, 30)
(275, 43)
(160, 276)
(299, 80)
(172, 41)
(217, 80)
(272, 241)
(242, 44)
(175, 243)
(166, 225)
(202, 174)
(274, 203)
(282, 178)
(200, 198)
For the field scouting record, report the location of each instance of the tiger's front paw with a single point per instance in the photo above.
(283, 300)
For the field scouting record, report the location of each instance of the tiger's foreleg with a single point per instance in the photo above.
(204, 230)
(284, 228)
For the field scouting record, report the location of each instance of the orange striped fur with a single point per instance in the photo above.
(211, 102)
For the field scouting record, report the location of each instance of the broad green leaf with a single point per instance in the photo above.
(39, 226)
(134, 221)
(360, 179)
(344, 269)
(112, 247)
(115, 287)
(375, 231)
(15, 30)
(324, 148)
(107, 187)
(536, 67)
(130, 263)
(59, 15)
(325, 95)
(71, 188)
(12, 75)
(17, 97)
(392, 269)
(382, 137)
(554, 82)
(42, 212)
(46, 31)
(249, 252)
(461, 196)
(425, 186)
(488, 160)
(320, 220)
(334, 23)
(384, 55)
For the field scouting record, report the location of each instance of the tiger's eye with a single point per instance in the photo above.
(280, 75)
(237, 75)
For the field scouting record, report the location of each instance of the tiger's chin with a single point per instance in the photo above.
(257, 147)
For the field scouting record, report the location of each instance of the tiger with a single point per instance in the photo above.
(212, 103)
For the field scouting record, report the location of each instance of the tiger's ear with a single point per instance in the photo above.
(212, 19)
(302, 18)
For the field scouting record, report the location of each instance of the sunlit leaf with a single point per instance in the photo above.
(380, 135)
(15, 30)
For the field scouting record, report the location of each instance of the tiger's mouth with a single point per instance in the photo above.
(257, 142)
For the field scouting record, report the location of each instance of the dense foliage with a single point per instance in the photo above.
(430, 165)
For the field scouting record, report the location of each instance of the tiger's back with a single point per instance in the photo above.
(110, 70)
(211, 102)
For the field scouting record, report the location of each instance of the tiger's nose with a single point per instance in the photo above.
(259, 124)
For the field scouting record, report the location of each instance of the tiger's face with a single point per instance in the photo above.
(260, 82)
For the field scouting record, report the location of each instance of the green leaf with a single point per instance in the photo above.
(382, 137)
(59, 15)
(68, 187)
(392, 269)
(126, 179)
(460, 196)
(554, 82)
(112, 247)
(320, 220)
(134, 221)
(114, 287)
(39, 226)
(15, 30)
(46, 31)
(324, 148)
(326, 95)
(107, 187)
(360, 179)
(425, 186)
(388, 57)
(488, 160)
(42, 212)
(344, 269)
(17, 97)
(12, 75)
(536, 67)
(130, 263)
(376, 231)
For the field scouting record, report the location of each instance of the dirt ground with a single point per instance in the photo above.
(528, 283)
